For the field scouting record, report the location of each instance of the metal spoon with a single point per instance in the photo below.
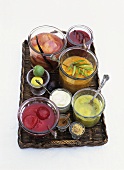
(54, 133)
(105, 78)
(53, 58)
(68, 115)
(42, 86)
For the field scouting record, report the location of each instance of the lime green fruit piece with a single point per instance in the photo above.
(34, 83)
(38, 70)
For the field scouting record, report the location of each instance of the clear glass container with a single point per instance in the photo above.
(38, 91)
(69, 82)
(77, 35)
(77, 130)
(38, 100)
(52, 41)
(62, 126)
(88, 121)
(62, 98)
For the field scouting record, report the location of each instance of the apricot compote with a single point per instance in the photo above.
(76, 71)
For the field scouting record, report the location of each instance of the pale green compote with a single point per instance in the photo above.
(87, 113)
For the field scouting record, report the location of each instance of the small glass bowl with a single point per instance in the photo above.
(38, 91)
(62, 127)
(77, 130)
(38, 100)
(76, 34)
(58, 41)
(88, 121)
(58, 93)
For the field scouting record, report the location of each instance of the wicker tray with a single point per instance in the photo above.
(94, 136)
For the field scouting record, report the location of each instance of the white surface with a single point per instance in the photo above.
(105, 18)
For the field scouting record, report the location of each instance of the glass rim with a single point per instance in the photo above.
(81, 26)
(89, 51)
(44, 84)
(85, 89)
(46, 54)
(35, 99)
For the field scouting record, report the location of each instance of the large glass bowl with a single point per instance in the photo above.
(35, 100)
(69, 82)
(88, 121)
(57, 41)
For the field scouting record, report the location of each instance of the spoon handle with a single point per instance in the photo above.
(53, 58)
(68, 115)
(54, 133)
(105, 78)
(42, 86)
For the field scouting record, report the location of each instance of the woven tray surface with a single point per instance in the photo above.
(94, 136)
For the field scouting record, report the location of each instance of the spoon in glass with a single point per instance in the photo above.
(42, 86)
(54, 133)
(105, 78)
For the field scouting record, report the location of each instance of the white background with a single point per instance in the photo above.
(106, 19)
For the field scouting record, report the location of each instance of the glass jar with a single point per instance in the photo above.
(80, 35)
(86, 118)
(51, 40)
(77, 130)
(62, 98)
(70, 82)
(63, 123)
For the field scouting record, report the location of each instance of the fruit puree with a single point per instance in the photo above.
(86, 113)
(82, 63)
(84, 108)
(75, 79)
(38, 117)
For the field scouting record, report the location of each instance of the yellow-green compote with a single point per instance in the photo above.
(87, 113)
